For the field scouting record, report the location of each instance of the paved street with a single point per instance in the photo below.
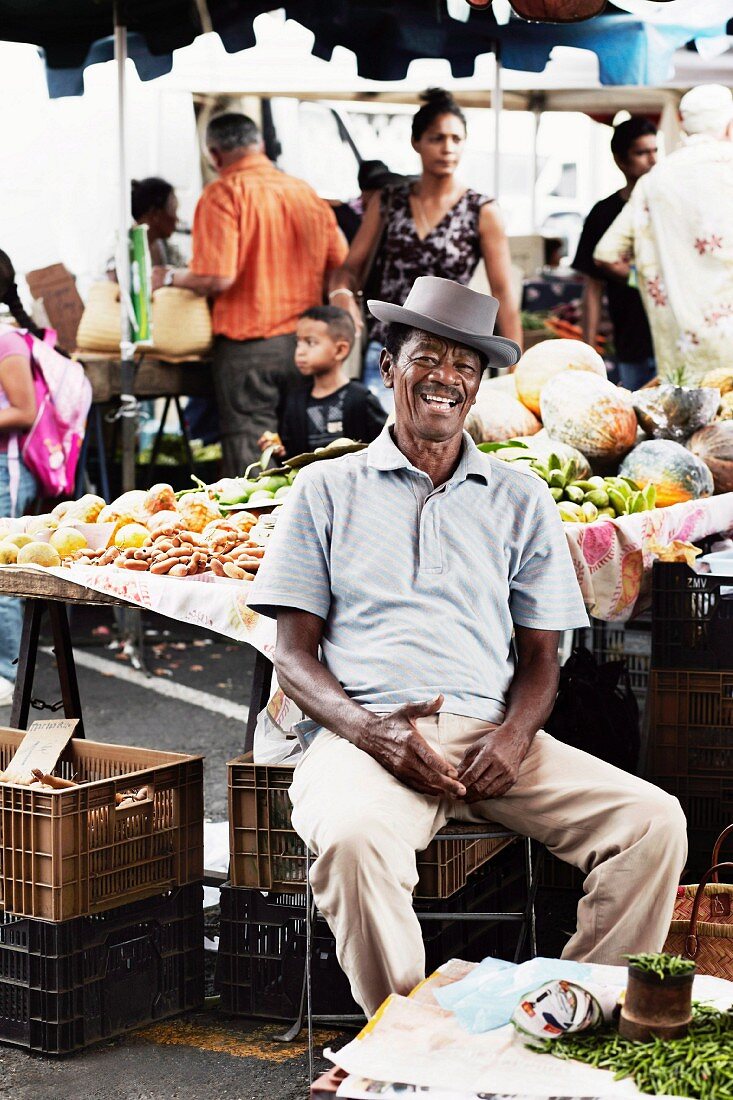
(194, 700)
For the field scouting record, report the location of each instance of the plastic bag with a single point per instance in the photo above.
(596, 710)
(675, 412)
(276, 736)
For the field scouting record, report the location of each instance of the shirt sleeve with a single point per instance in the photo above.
(12, 343)
(215, 234)
(295, 570)
(544, 591)
(589, 238)
(617, 243)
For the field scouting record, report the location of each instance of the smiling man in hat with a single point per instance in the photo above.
(420, 587)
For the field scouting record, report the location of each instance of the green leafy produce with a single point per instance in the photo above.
(700, 1065)
(663, 965)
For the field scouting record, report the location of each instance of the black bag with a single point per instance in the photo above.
(596, 710)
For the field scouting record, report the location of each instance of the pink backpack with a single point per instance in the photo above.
(51, 446)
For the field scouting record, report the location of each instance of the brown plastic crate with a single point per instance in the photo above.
(691, 725)
(72, 853)
(267, 854)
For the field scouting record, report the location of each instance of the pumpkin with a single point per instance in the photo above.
(714, 445)
(589, 413)
(542, 362)
(677, 473)
(675, 412)
(497, 416)
(542, 446)
(720, 379)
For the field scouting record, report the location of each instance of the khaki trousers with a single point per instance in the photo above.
(364, 828)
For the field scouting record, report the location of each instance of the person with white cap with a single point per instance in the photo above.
(419, 588)
(674, 237)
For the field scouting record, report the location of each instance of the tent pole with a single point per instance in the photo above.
(128, 404)
(497, 103)
(536, 115)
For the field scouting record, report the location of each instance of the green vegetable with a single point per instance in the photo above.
(557, 479)
(574, 493)
(661, 964)
(557, 494)
(699, 1065)
(599, 497)
(617, 501)
(489, 448)
(590, 512)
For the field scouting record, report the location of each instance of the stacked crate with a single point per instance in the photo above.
(101, 918)
(690, 751)
(260, 963)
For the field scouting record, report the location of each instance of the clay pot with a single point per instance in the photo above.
(656, 1008)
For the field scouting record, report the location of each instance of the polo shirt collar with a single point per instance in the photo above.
(384, 454)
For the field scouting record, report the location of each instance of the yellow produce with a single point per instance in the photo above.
(132, 536)
(38, 553)
(159, 498)
(8, 553)
(60, 510)
(18, 540)
(543, 361)
(129, 504)
(720, 379)
(121, 521)
(41, 523)
(66, 541)
(85, 509)
(196, 510)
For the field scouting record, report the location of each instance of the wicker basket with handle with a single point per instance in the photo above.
(181, 322)
(708, 942)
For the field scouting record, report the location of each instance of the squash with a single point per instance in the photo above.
(714, 445)
(542, 362)
(589, 413)
(677, 473)
(720, 379)
(675, 412)
(497, 416)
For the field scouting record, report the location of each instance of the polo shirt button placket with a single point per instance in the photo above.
(430, 556)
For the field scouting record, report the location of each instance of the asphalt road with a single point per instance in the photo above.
(193, 700)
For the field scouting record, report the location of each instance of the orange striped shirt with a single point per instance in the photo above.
(275, 237)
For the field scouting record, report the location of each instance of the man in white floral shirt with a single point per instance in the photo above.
(675, 237)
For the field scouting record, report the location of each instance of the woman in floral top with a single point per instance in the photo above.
(431, 226)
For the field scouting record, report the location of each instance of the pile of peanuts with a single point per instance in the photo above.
(226, 551)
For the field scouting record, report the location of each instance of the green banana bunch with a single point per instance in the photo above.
(587, 499)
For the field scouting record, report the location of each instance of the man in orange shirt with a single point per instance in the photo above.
(263, 243)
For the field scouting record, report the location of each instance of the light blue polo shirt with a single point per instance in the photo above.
(420, 588)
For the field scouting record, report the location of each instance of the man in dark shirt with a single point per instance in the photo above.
(634, 148)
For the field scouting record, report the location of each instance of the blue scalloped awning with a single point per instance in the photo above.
(386, 37)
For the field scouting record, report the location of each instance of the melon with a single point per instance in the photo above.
(497, 416)
(589, 413)
(546, 359)
(676, 473)
(714, 446)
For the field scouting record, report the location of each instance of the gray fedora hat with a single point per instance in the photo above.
(451, 310)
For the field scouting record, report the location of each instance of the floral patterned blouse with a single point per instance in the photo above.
(677, 228)
(451, 250)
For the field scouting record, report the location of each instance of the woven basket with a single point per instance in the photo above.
(99, 328)
(709, 942)
(181, 322)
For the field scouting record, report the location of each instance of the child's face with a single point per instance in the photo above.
(316, 351)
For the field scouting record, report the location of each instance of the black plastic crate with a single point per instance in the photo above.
(66, 985)
(692, 623)
(260, 962)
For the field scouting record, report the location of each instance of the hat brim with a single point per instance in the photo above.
(500, 352)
